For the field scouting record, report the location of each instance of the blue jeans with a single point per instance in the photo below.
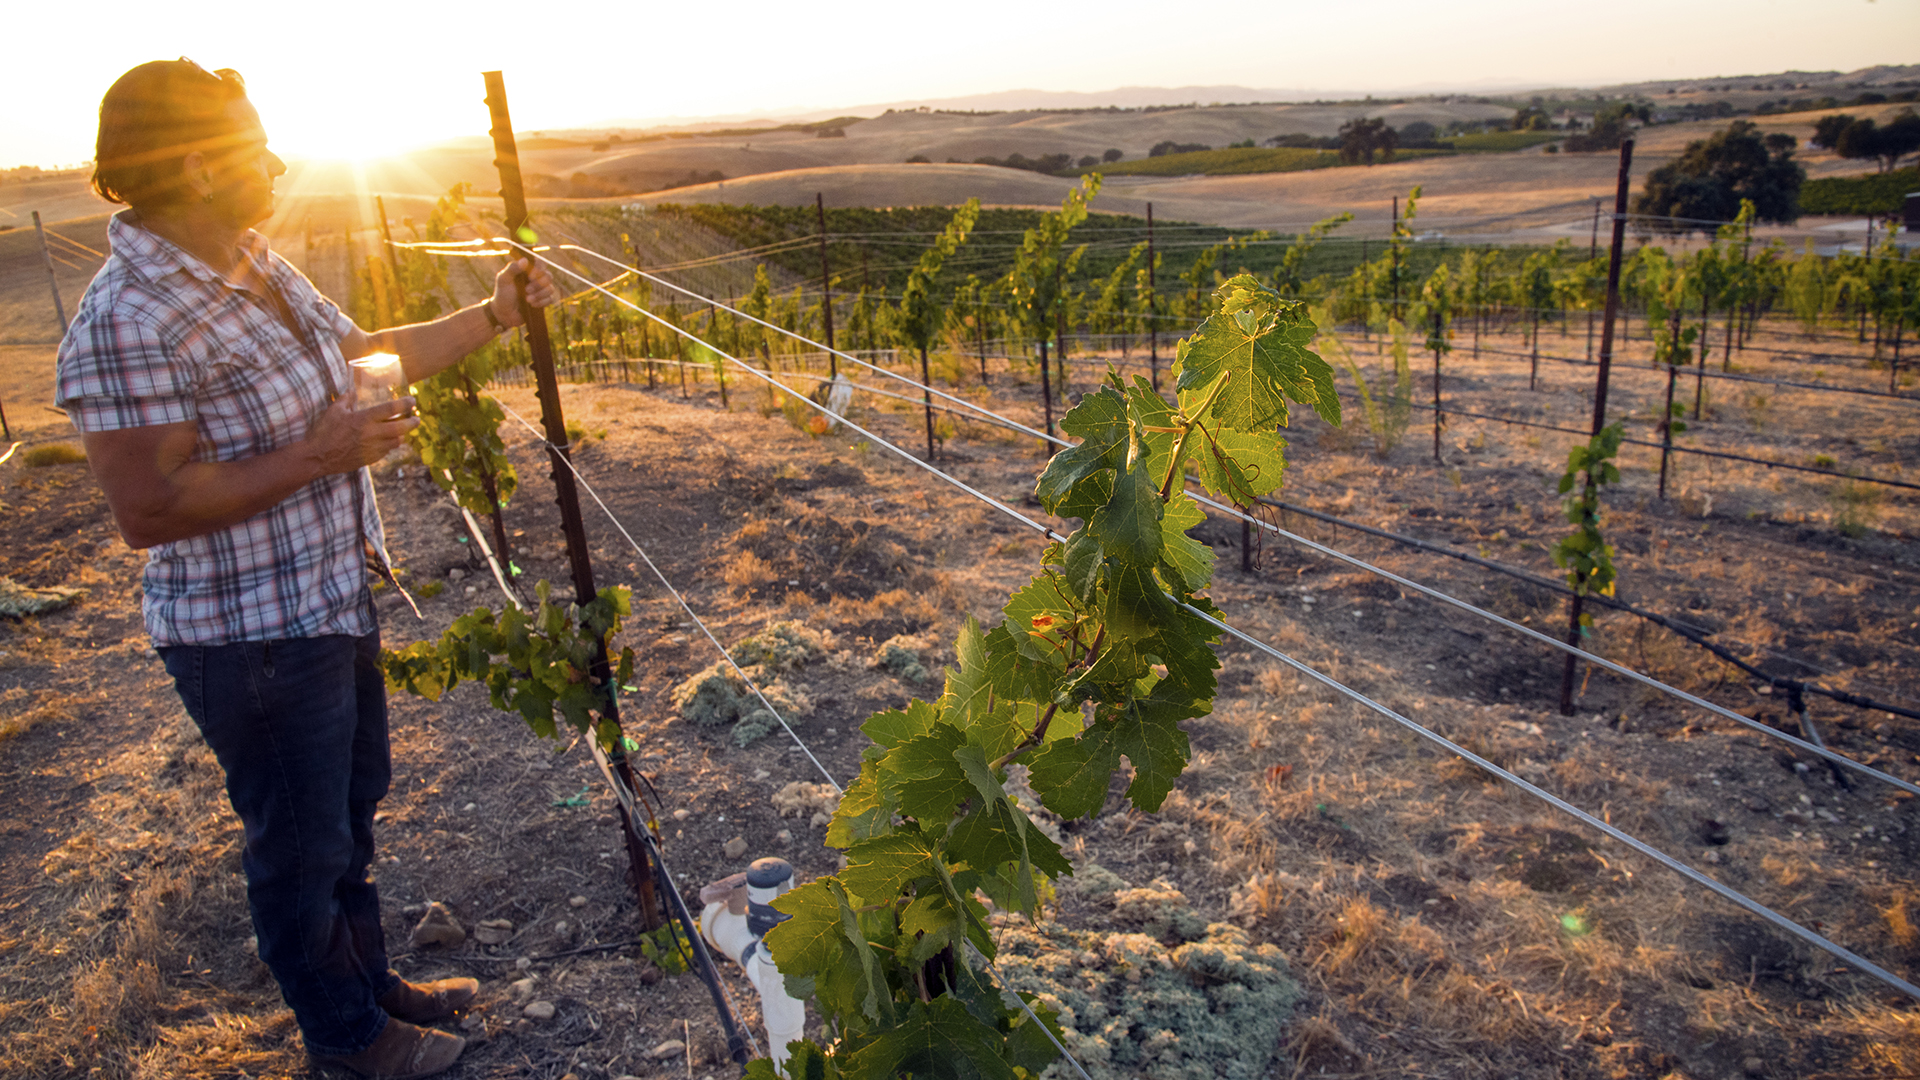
(300, 726)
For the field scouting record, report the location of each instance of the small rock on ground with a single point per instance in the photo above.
(438, 927)
(493, 931)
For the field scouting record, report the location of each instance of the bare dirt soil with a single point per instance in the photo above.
(1442, 924)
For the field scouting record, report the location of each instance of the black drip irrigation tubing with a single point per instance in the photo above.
(1125, 363)
(1733, 376)
(1696, 634)
(1677, 449)
(972, 417)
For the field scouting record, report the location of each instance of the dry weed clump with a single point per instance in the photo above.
(896, 606)
(41, 457)
(1892, 1046)
(1900, 922)
(222, 1046)
(144, 888)
(1368, 938)
(747, 570)
(17, 717)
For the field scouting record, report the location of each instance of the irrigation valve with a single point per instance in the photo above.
(737, 915)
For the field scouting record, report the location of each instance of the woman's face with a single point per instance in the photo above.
(243, 172)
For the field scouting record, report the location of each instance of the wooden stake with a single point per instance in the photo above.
(926, 397)
(1393, 243)
(53, 282)
(826, 284)
(1666, 424)
(513, 194)
(393, 262)
(1600, 383)
(720, 366)
(1153, 304)
(1046, 395)
(1439, 418)
(1060, 329)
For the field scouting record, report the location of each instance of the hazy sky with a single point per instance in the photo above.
(353, 79)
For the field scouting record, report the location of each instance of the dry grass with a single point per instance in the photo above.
(142, 891)
(746, 570)
(1899, 923)
(17, 716)
(920, 607)
(41, 457)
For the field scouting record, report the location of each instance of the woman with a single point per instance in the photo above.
(210, 383)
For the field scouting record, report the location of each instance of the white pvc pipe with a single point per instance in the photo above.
(726, 924)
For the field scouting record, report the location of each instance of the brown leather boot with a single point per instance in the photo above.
(424, 1003)
(403, 1052)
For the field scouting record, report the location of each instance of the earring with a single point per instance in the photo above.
(207, 198)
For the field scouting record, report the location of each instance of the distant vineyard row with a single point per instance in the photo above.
(1881, 193)
(1238, 160)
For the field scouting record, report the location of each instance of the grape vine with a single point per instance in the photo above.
(1101, 656)
(1585, 555)
(543, 666)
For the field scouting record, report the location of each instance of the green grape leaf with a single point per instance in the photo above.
(1082, 564)
(921, 777)
(805, 1062)
(1148, 410)
(1010, 886)
(1128, 527)
(959, 887)
(1149, 733)
(1111, 675)
(1193, 559)
(1240, 466)
(876, 999)
(997, 832)
(1088, 496)
(973, 763)
(935, 1039)
(895, 726)
(1028, 1044)
(810, 939)
(984, 692)
(1036, 615)
(1258, 343)
(1185, 646)
(880, 869)
(1066, 721)
(1071, 776)
(974, 988)
(1100, 422)
(927, 925)
(865, 811)
(1136, 605)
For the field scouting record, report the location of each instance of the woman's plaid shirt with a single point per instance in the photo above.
(160, 338)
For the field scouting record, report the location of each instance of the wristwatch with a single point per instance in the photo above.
(492, 319)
